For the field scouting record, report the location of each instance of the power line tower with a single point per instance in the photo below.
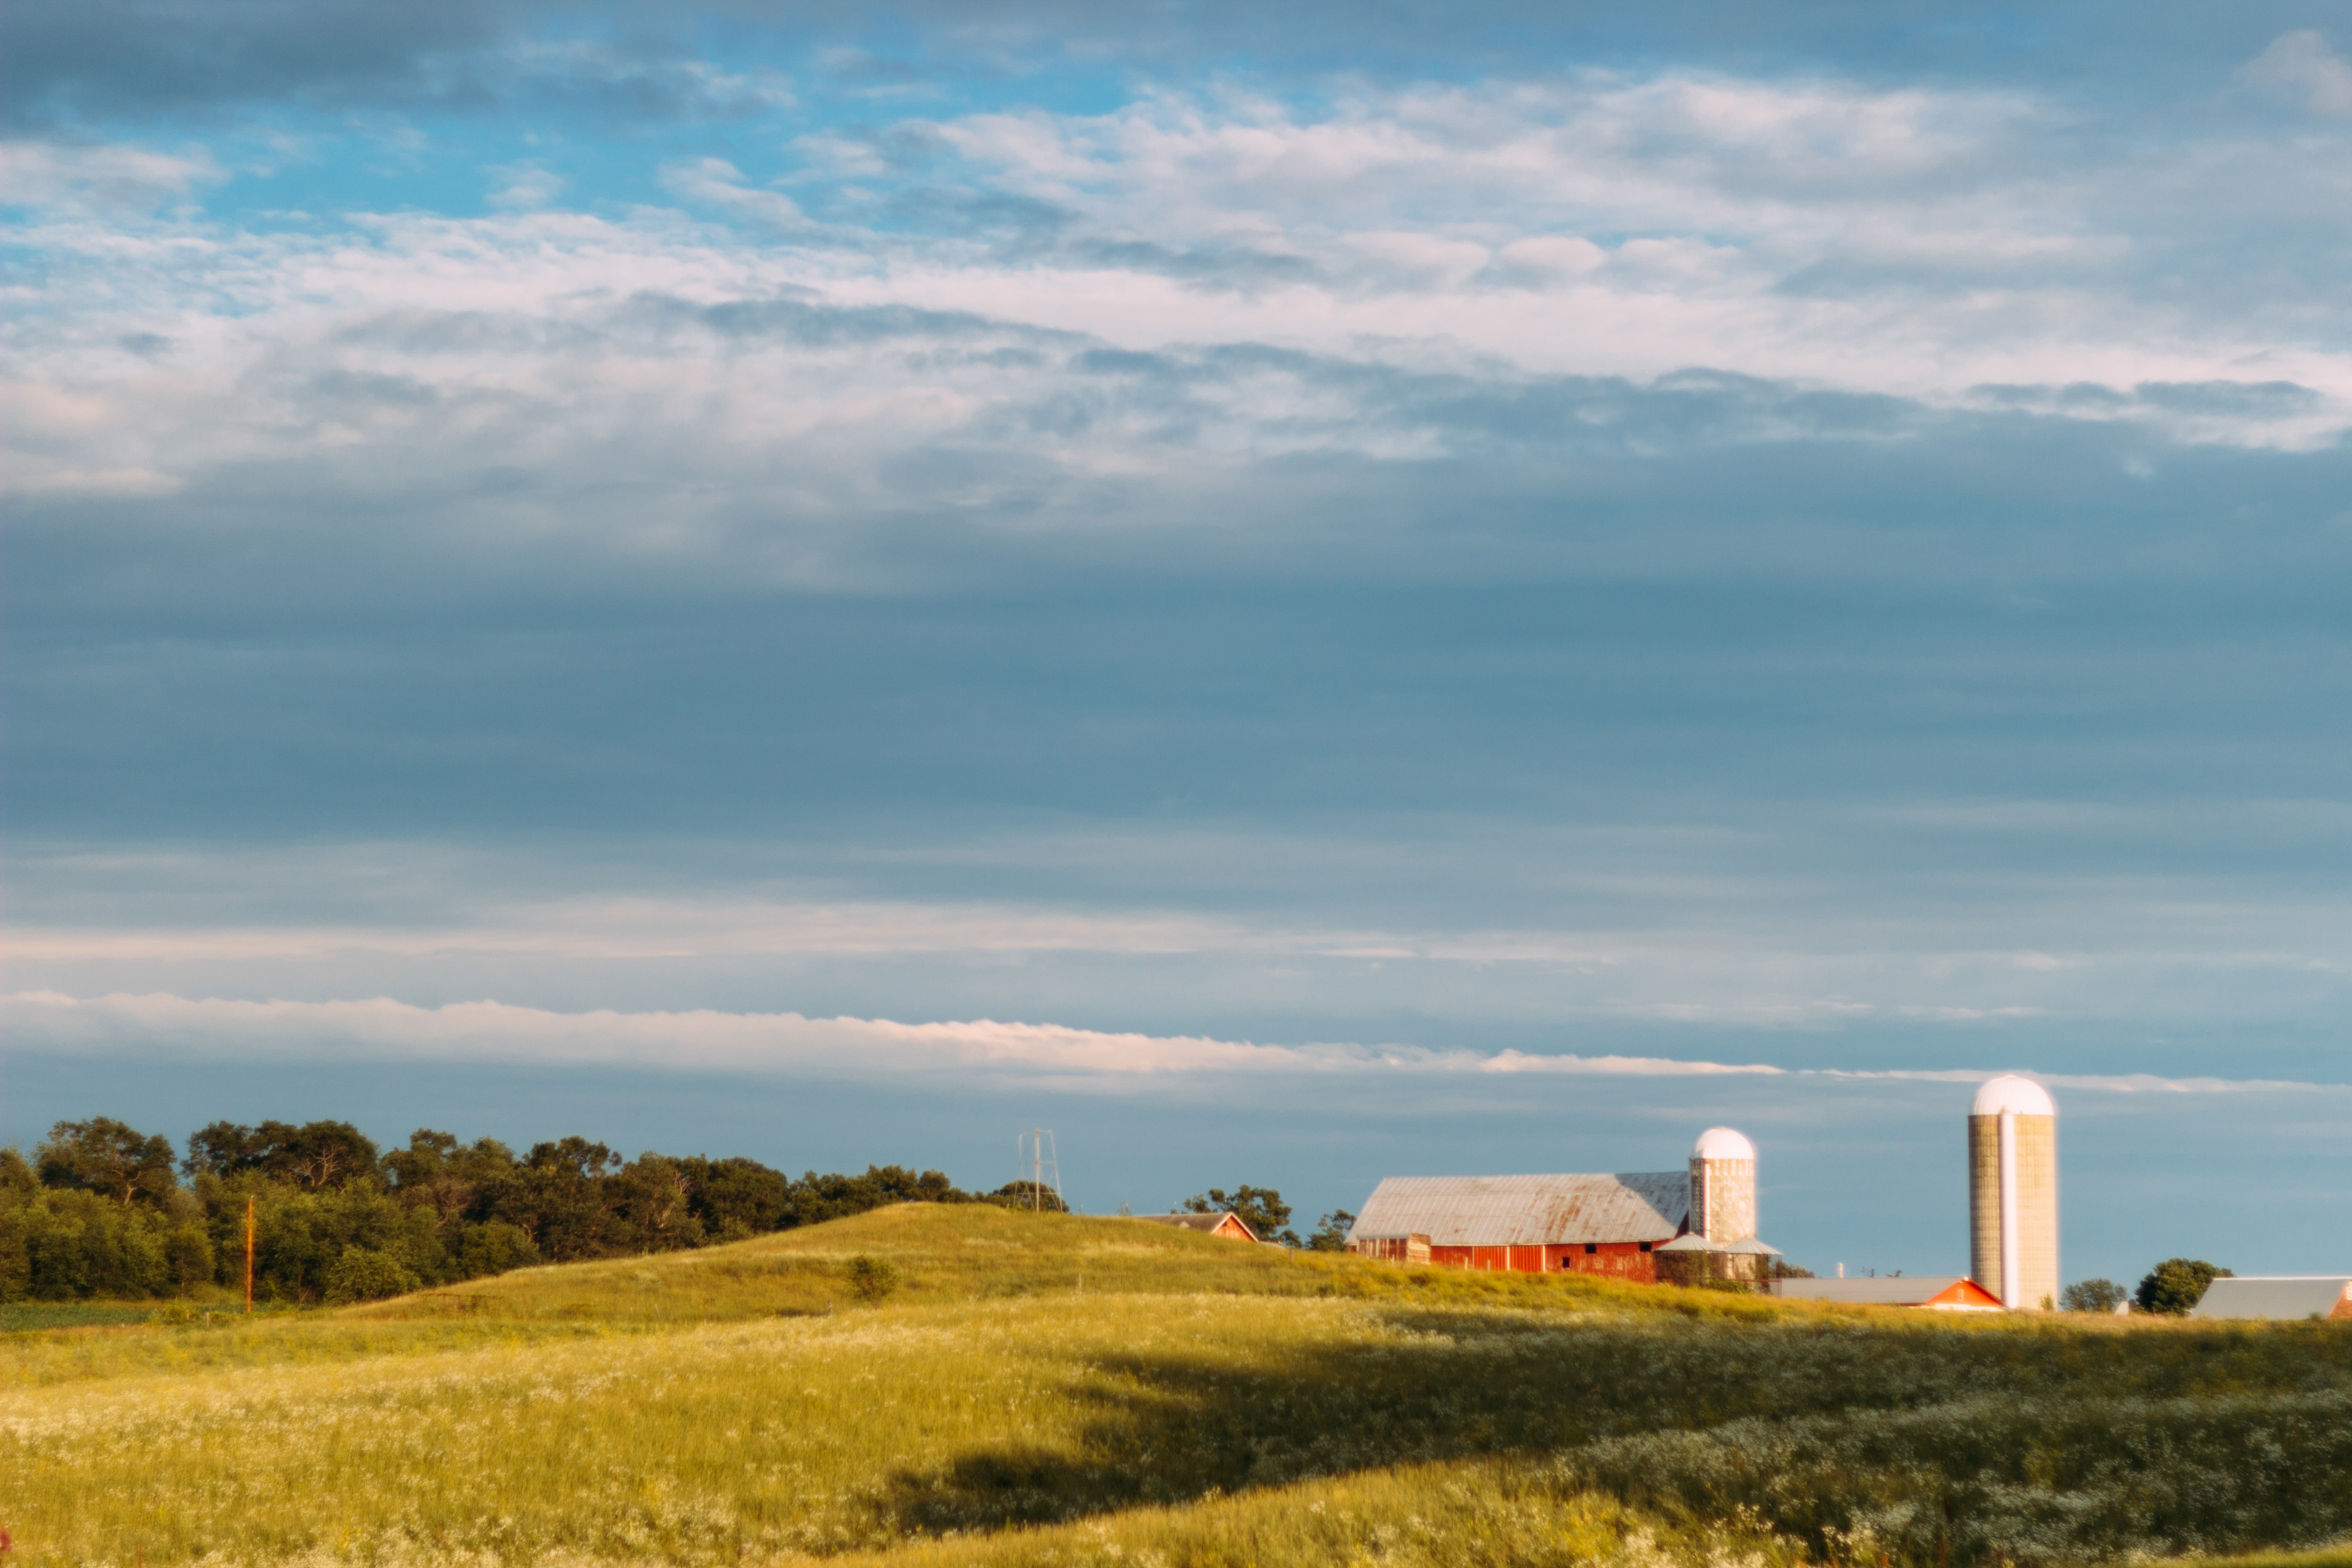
(1037, 1164)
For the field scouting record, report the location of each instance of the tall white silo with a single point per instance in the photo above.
(2014, 1192)
(1723, 1186)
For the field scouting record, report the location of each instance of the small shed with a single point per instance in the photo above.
(2278, 1296)
(1227, 1224)
(1939, 1292)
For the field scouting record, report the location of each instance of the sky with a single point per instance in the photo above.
(1291, 594)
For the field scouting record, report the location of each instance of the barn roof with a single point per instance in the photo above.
(1208, 1222)
(2309, 1296)
(1528, 1211)
(1892, 1290)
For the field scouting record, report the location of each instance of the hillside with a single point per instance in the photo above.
(1049, 1389)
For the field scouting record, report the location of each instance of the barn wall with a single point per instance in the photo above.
(1612, 1260)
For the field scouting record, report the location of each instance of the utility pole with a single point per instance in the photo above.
(248, 1254)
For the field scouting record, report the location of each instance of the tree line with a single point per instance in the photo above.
(102, 1209)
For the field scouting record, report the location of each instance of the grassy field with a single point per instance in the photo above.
(1043, 1389)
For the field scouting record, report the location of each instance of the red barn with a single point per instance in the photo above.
(1530, 1225)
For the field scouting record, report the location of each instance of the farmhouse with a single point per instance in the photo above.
(2278, 1296)
(1939, 1292)
(1227, 1224)
(1608, 1224)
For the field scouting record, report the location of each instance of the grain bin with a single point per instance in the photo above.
(1723, 1186)
(2014, 1192)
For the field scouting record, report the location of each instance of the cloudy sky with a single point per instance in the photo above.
(1295, 593)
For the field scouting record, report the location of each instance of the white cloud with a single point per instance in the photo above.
(116, 179)
(836, 1049)
(522, 187)
(2301, 65)
(714, 182)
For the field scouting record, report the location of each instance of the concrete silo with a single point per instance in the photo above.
(2014, 1192)
(1723, 1186)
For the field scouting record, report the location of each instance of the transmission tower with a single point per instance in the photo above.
(1034, 1162)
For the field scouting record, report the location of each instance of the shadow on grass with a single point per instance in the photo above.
(1977, 1448)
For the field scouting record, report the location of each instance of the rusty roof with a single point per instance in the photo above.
(1528, 1211)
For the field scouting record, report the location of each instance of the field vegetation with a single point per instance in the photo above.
(971, 1384)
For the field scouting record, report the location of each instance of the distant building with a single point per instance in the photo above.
(2284, 1296)
(1606, 1225)
(1939, 1292)
(1227, 1224)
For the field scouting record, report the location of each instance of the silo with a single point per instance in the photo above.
(2014, 1192)
(1723, 1186)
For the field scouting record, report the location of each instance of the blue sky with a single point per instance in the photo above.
(1300, 596)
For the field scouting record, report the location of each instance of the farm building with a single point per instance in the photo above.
(1606, 1225)
(1940, 1292)
(1227, 1224)
(2279, 1296)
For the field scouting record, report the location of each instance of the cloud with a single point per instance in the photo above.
(2300, 66)
(522, 186)
(116, 179)
(866, 1050)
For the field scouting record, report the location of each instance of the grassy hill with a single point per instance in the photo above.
(1045, 1389)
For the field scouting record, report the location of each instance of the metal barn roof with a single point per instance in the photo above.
(2305, 1296)
(1891, 1291)
(1528, 1211)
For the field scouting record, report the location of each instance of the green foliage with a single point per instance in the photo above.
(105, 1156)
(1331, 1234)
(2092, 1296)
(2175, 1285)
(1260, 1208)
(493, 1247)
(444, 1211)
(870, 1278)
(1035, 1197)
(364, 1274)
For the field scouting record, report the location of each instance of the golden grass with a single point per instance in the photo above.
(1050, 1389)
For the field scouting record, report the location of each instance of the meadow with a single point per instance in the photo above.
(1050, 1389)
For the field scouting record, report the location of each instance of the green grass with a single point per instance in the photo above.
(1051, 1389)
(17, 1317)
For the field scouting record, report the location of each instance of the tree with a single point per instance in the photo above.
(436, 1171)
(2092, 1296)
(1260, 1208)
(1028, 1195)
(561, 1196)
(2176, 1285)
(315, 1154)
(364, 1274)
(1331, 1234)
(652, 1191)
(735, 1198)
(103, 1155)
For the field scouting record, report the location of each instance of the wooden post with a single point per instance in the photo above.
(248, 1254)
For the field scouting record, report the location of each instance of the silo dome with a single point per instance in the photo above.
(1723, 1143)
(2008, 1092)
